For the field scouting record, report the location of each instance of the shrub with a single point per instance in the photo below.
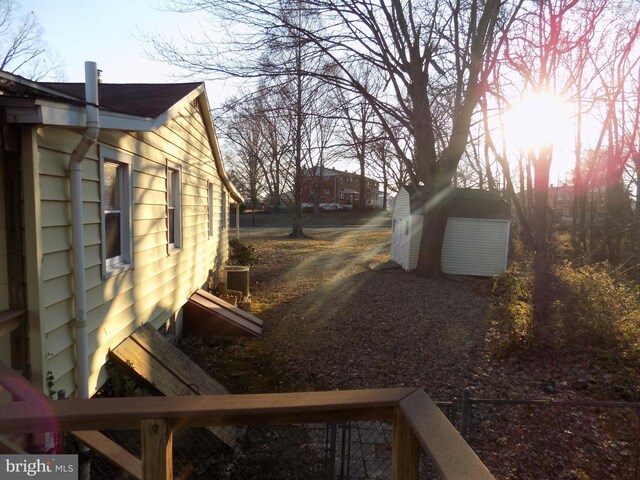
(241, 253)
(592, 307)
(597, 307)
(512, 309)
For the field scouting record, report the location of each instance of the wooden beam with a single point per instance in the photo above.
(10, 320)
(175, 361)
(18, 386)
(449, 453)
(157, 450)
(164, 366)
(15, 248)
(405, 450)
(11, 448)
(202, 411)
(113, 452)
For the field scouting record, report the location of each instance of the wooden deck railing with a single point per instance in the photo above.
(417, 423)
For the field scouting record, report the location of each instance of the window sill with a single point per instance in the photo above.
(117, 269)
(173, 249)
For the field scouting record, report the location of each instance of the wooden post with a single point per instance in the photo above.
(157, 450)
(405, 461)
(15, 250)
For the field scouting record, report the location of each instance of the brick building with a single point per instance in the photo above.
(336, 189)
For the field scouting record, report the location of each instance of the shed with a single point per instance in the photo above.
(476, 240)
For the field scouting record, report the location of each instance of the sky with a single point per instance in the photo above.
(110, 32)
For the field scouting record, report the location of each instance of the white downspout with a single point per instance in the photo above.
(77, 231)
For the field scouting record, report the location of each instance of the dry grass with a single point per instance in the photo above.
(333, 323)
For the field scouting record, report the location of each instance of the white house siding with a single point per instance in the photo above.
(475, 246)
(159, 284)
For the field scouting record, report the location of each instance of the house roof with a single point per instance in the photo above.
(139, 99)
(123, 106)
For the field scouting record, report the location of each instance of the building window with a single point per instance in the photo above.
(326, 192)
(174, 213)
(210, 207)
(116, 211)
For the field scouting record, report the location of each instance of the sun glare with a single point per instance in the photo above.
(536, 120)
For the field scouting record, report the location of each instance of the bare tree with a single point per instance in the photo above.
(321, 144)
(535, 49)
(22, 47)
(434, 56)
(357, 130)
(242, 127)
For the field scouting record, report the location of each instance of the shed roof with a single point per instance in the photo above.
(464, 202)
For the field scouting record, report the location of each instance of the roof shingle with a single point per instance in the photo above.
(139, 99)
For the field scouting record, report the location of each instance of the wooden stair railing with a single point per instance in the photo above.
(417, 423)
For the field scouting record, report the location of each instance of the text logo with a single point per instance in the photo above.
(50, 467)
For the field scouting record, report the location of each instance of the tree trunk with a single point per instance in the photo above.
(385, 186)
(433, 228)
(526, 234)
(297, 226)
(635, 233)
(542, 165)
(362, 204)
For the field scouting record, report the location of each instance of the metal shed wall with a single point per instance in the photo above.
(401, 229)
(475, 246)
(401, 206)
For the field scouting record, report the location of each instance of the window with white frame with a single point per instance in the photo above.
(174, 210)
(116, 215)
(210, 207)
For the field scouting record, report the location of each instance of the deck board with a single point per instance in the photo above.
(151, 357)
(111, 451)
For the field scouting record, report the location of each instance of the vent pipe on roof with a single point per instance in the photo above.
(77, 226)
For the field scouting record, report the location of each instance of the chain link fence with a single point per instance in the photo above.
(516, 439)
(352, 450)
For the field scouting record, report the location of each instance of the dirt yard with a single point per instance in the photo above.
(334, 322)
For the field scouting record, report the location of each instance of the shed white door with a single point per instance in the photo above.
(400, 242)
(475, 246)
